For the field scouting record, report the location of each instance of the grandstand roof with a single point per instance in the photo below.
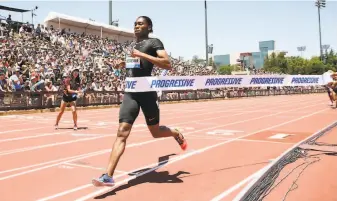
(80, 22)
(13, 9)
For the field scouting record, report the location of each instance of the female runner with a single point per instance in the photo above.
(70, 93)
(328, 78)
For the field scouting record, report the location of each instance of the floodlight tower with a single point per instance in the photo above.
(320, 4)
(301, 49)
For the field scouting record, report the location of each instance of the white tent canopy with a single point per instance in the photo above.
(80, 25)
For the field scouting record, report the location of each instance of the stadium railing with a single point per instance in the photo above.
(45, 100)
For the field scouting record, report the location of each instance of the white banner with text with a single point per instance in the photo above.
(171, 83)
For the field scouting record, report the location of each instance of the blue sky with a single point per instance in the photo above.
(233, 26)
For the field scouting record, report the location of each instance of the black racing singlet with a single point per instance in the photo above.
(136, 67)
(73, 86)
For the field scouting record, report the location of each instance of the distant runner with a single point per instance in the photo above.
(328, 80)
(70, 92)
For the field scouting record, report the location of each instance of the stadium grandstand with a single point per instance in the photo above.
(35, 58)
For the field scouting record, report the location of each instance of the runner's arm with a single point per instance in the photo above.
(162, 61)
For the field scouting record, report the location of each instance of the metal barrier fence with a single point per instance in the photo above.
(43, 100)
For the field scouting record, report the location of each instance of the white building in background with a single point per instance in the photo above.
(80, 25)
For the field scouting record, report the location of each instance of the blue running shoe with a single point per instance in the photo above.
(104, 180)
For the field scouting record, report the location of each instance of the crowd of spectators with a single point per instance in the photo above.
(34, 60)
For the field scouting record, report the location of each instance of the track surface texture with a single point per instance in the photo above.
(228, 141)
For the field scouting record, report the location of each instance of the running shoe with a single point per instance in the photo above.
(56, 127)
(181, 140)
(104, 180)
(75, 128)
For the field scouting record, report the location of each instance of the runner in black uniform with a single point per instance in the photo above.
(147, 53)
(71, 89)
(329, 78)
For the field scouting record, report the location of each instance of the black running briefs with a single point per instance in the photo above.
(131, 104)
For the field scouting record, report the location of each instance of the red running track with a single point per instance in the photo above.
(228, 142)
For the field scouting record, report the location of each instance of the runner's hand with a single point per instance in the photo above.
(136, 53)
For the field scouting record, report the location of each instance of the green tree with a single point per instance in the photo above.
(276, 63)
(226, 70)
(279, 63)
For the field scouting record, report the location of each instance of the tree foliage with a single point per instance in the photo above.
(227, 69)
(279, 63)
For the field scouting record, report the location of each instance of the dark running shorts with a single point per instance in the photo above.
(69, 99)
(131, 104)
(335, 89)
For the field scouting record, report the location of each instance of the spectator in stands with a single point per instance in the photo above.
(4, 87)
(38, 30)
(9, 19)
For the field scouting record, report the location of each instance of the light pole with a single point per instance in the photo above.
(206, 35)
(33, 14)
(320, 4)
(110, 12)
(325, 49)
(115, 23)
(301, 49)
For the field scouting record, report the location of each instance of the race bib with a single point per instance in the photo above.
(131, 62)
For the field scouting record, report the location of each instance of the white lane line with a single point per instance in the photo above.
(228, 109)
(84, 166)
(26, 167)
(73, 159)
(116, 177)
(33, 136)
(157, 166)
(89, 135)
(225, 142)
(59, 161)
(90, 167)
(104, 151)
(19, 130)
(94, 138)
(238, 185)
(40, 164)
(265, 141)
(279, 136)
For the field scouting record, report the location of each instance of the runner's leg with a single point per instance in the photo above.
(73, 109)
(127, 115)
(62, 108)
(150, 107)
